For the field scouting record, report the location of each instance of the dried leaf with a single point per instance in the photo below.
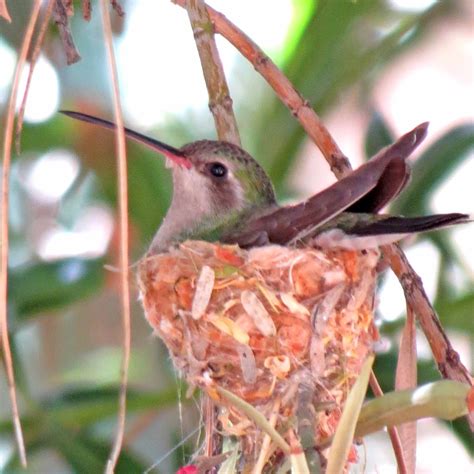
(293, 304)
(202, 296)
(406, 378)
(255, 309)
(270, 297)
(324, 309)
(247, 363)
(231, 328)
(279, 366)
(316, 355)
(62, 21)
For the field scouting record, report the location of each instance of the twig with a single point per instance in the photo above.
(392, 430)
(62, 20)
(115, 4)
(209, 423)
(33, 61)
(266, 444)
(4, 11)
(86, 9)
(220, 102)
(445, 356)
(7, 148)
(69, 7)
(406, 378)
(124, 240)
(297, 104)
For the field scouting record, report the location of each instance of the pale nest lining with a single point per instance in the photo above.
(276, 326)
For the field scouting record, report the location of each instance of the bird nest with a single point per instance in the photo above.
(284, 329)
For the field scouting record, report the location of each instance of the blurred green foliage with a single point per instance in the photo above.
(329, 49)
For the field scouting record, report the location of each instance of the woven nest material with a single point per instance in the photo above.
(284, 329)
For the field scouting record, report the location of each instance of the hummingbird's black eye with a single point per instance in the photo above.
(218, 170)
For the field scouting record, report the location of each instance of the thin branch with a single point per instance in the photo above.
(284, 89)
(115, 4)
(7, 148)
(4, 11)
(62, 20)
(86, 9)
(123, 220)
(220, 102)
(34, 59)
(392, 430)
(447, 359)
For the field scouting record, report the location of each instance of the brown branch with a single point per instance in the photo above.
(86, 9)
(124, 240)
(220, 102)
(117, 7)
(60, 15)
(7, 148)
(392, 430)
(447, 359)
(34, 59)
(4, 11)
(284, 89)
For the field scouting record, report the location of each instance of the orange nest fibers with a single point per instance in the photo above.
(276, 326)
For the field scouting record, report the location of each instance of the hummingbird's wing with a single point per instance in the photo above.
(392, 181)
(366, 189)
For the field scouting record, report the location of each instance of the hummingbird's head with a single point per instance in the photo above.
(215, 184)
(222, 178)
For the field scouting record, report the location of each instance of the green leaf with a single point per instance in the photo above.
(378, 135)
(75, 452)
(432, 168)
(463, 432)
(82, 407)
(384, 368)
(256, 417)
(444, 399)
(47, 286)
(127, 463)
(87, 454)
(343, 437)
(458, 313)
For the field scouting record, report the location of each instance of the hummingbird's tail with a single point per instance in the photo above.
(408, 225)
(365, 231)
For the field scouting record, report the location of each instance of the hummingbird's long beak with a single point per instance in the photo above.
(175, 155)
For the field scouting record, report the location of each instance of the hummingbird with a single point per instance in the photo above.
(221, 193)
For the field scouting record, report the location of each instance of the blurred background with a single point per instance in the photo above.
(373, 69)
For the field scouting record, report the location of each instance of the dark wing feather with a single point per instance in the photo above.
(408, 225)
(285, 224)
(394, 178)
